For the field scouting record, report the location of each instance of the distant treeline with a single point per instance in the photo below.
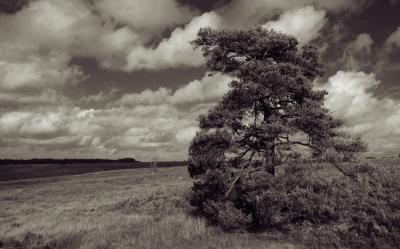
(73, 161)
(11, 169)
(63, 161)
(383, 157)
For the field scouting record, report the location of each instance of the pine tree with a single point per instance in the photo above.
(271, 115)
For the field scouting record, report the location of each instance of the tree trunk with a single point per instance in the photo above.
(270, 159)
(271, 170)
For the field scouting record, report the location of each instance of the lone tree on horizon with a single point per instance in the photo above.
(270, 116)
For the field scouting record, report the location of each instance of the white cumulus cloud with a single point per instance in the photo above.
(37, 72)
(207, 89)
(376, 120)
(357, 53)
(175, 50)
(150, 15)
(394, 38)
(303, 23)
(162, 121)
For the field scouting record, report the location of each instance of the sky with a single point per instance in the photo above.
(118, 78)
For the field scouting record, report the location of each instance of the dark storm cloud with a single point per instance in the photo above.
(360, 43)
(379, 20)
(135, 81)
(117, 77)
(205, 5)
(12, 6)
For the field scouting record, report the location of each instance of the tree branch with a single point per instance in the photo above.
(239, 176)
(351, 176)
(299, 143)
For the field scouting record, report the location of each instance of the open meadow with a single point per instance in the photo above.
(136, 208)
(130, 208)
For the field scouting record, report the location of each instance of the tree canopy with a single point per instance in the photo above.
(271, 115)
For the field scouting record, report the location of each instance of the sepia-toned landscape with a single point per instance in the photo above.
(204, 124)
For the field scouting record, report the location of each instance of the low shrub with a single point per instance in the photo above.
(361, 199)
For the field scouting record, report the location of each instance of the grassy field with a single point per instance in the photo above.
(28, 171)
(115, 209)
(129, 208)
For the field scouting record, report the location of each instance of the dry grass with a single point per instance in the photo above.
(116, 209)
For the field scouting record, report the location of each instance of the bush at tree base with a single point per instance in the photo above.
(366, 208)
